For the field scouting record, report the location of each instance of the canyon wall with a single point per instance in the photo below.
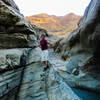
(81, 49)
(16, 33)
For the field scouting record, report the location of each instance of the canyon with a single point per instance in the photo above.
(73, 73)
(57, 25)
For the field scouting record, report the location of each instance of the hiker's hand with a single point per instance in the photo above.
(51, 46)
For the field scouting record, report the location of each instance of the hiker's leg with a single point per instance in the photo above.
(46, 64)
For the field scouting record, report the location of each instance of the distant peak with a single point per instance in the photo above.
(42, 15)
(70, 14)
(47, 15)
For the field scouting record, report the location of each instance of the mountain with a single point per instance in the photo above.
(58, 25)
(45, 21)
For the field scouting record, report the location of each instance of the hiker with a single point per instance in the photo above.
(45, 53)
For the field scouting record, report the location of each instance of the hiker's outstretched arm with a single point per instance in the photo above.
(38, 45)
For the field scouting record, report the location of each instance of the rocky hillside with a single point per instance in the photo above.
(57, 25)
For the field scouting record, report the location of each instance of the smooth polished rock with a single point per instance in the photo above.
(81, 50)
(10, 58)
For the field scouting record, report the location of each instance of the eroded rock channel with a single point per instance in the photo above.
(77, 77)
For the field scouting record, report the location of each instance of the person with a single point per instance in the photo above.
(45, 53)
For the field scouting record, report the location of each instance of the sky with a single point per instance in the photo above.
(52, 7)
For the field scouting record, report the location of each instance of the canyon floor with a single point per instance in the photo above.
(51, 84)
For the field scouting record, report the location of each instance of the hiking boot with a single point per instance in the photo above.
(45, 69)
(42, 75)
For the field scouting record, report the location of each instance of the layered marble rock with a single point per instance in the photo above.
(15, 35)
(81, 49)
(44, 85)
(11, 20)
(15, 30)
(54, 83)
